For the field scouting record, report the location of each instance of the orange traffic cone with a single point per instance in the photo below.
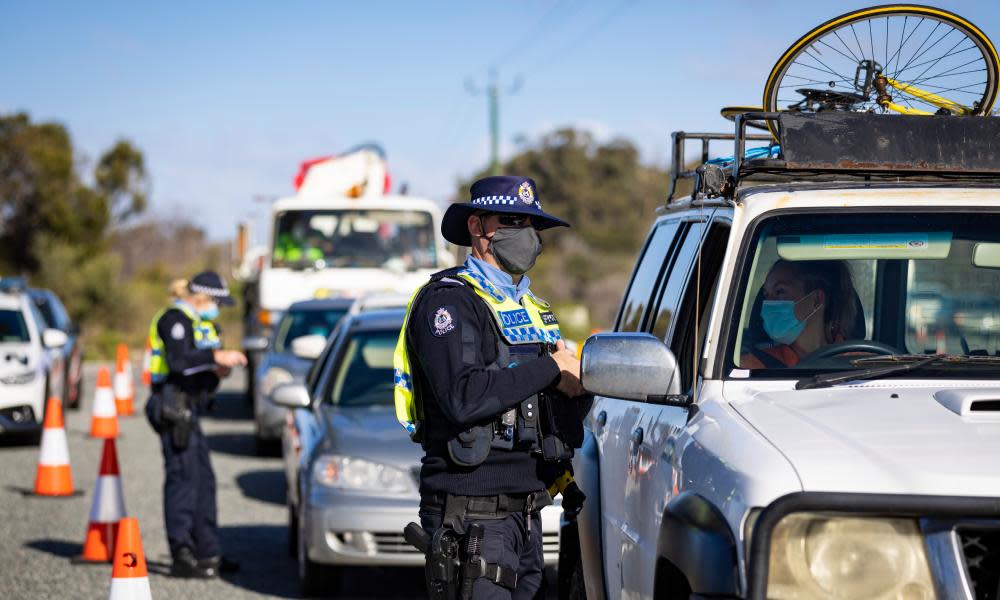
(129, 579)
(124, 391)
(147, 359)
(106, 510)
(104, 418)
(53, 477)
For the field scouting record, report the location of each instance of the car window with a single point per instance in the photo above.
(295, 324)
(12, 326)
(913, 283)
(646, 277)
(699, 295)
(363, 376)
(676, 279)
(319, 365)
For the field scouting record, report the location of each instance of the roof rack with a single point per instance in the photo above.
(844, 143)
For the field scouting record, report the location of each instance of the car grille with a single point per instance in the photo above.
(981, 548)
(393, 543)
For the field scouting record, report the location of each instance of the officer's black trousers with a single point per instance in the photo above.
(506, 543)
(189, 496)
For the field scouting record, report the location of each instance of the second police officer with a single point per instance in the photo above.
(185, 366)
(485, 383)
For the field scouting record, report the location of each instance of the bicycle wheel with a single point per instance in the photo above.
(730, 112)
(899, 58)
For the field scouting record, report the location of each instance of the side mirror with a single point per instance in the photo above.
(291, 395)
(308, 347)
(630, 366)
(255, 343)
(53, 338)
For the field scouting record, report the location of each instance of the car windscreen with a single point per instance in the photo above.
(821, 291)
(52, 309)
(12, 326)
(297, 323)
(364, 375)
(354, 239)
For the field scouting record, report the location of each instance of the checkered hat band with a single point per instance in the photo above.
(215, 292)
(488, 200)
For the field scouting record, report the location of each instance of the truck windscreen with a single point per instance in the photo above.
(378, 239)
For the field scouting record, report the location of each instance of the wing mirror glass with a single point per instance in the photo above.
(53, 338)
(255, 343)
(630, 366)
(290, 395)
(308, 346)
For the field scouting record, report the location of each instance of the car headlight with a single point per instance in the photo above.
(19, 378)
(348, 472)
(817, 556)
(274, 377)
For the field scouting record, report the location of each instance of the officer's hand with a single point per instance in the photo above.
(229, 358)
(569, 370)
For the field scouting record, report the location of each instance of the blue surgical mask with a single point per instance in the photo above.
(780, 322)
(209, 314)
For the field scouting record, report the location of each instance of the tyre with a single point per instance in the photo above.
(315, 579)
(901, 58)
(293, 533)
(570, 572)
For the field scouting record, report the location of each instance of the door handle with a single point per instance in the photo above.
(601, 419)
(637, 437)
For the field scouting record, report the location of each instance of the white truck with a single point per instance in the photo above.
(343, 235)
(779, 413)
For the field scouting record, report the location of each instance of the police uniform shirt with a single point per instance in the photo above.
(177, 333)
(454, 344)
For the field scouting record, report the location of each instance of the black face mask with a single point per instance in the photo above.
(516, 248)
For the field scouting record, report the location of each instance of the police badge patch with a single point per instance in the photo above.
(548, 318)
(525, 192)
(442, 322)
(177, 331)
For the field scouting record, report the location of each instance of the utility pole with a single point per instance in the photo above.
(493, 93)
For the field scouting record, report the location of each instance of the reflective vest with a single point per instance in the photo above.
(530, 322)
(205, 336)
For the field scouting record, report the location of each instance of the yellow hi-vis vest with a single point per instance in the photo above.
(530, 322)
(205, 336)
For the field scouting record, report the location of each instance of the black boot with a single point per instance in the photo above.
(186, 565)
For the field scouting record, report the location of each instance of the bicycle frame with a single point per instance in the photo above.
(886, 102)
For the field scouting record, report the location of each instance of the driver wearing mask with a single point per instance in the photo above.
(807, 305)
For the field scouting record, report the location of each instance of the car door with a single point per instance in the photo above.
(681, 318)
(608, 413)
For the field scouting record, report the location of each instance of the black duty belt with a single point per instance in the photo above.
(489, 507)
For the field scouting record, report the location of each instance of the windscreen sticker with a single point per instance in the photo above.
(876, 241)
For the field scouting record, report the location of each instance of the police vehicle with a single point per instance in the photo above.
(773, 418)
(343, 234)
(56, 316)
(31, 365)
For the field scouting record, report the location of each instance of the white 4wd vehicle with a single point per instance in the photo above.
(801, 397)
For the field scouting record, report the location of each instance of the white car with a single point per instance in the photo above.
(768, 422)
(30, 365)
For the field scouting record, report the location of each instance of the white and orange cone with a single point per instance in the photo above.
(147, 359)
(123, 388)
(129, 579)
(104, 418)
(53, 477)
(106, 510)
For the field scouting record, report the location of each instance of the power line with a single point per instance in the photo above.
(530, 36)
(588, 33)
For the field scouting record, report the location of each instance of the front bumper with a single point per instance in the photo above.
(21, 407)
(945, 521)
(367, 530)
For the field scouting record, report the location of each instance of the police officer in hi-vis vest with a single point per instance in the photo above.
(186, 362)
(485, 383)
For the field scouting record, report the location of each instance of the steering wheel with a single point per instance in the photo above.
(850, 347)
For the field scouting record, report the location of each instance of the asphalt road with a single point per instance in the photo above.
(40, 535)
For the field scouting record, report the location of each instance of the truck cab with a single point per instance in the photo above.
(801, 394)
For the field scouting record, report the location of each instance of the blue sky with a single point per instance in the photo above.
(226, 98)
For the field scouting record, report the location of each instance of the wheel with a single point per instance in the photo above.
(570, 572)
(315, 579)
(293, 533)
(895, 58)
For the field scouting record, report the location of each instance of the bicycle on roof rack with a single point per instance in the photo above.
(898, 58)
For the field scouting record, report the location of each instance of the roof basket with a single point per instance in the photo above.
(848, 143)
